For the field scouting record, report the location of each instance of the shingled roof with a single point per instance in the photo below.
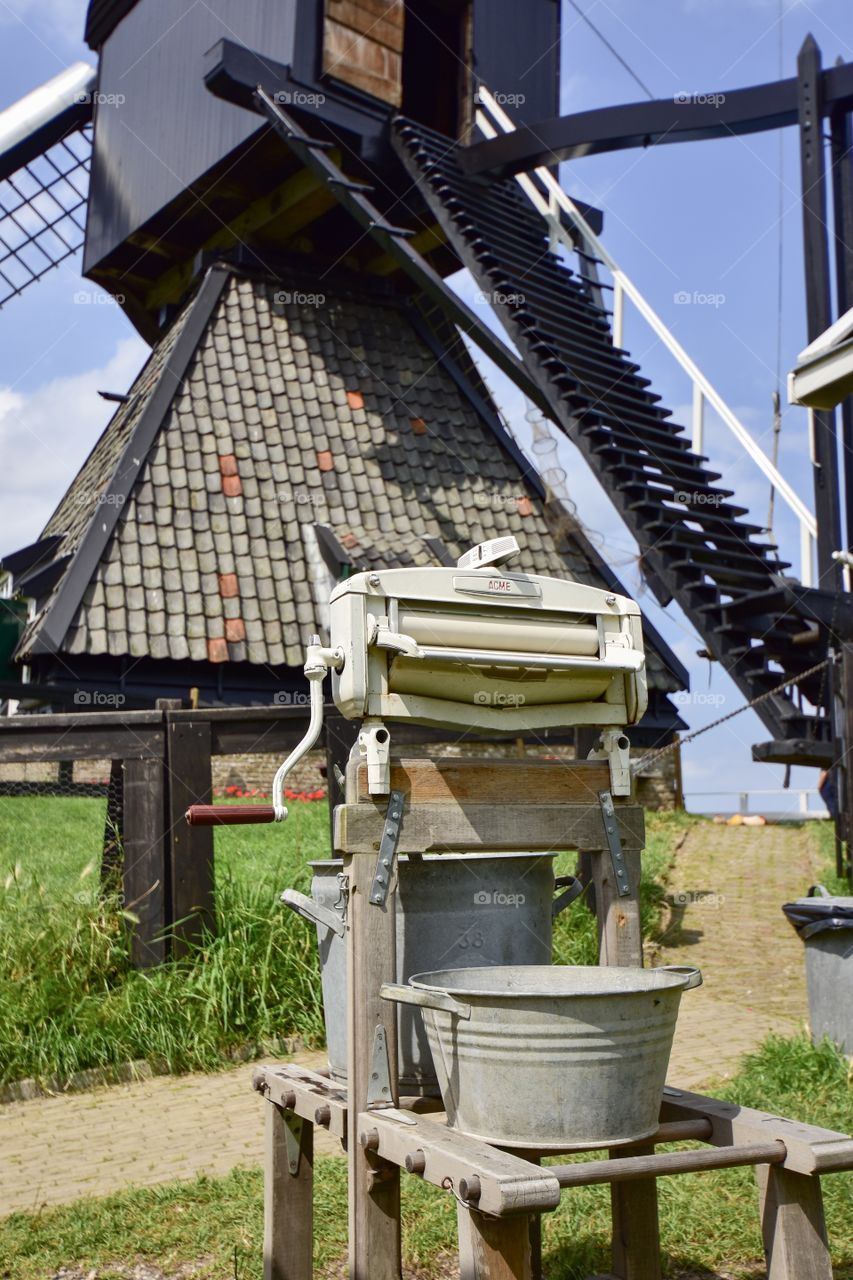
(274, 441)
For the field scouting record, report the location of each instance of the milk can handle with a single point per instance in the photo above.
(313, 911)
(692, 976)
(426, 999)
(572, 887)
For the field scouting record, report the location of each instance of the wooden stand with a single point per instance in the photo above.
(490, 806)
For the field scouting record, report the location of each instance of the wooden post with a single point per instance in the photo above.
(144, 870)
(341, 734)
(793, 1225)
(620, 936)
(113, 828)
(494, 1248)
(191, 848)
(818, 304)
(636, 1228)
(288, 1197)
(374, 1184)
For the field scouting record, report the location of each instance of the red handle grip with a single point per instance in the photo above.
(229, 815)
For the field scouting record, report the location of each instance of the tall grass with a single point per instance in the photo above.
(69, 998)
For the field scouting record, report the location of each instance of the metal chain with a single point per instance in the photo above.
(651, 756)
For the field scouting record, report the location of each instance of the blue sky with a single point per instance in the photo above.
(700, 219)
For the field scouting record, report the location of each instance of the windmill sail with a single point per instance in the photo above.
(45, 151)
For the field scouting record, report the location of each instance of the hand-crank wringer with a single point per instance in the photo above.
(529, 1057)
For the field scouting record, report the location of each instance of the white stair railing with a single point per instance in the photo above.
(493, 120)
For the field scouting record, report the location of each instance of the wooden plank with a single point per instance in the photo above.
(620, 935)
(144, 869)
(496, 1248)
(793, 1225)
(436, 828)
(507, 1183)
(288, 1200)
(119, 741)
(374, 1184)
(505, 782)
(810, 1148)
(636, 1224)
(191, 852)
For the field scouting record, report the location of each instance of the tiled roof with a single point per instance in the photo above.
(288, 416)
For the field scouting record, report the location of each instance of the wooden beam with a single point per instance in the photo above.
(810, 1149)
(297, 201)
(383, 264)
(515, 783)
(455, 828)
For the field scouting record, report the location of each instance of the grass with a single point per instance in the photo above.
(708, 1221)
(69, 999)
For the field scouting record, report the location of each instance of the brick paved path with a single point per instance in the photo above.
(57, 1149)
(750, 957)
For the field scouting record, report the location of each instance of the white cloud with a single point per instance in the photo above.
(46, 434)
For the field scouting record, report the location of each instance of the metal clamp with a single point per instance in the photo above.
(386, 863)
(614, 844)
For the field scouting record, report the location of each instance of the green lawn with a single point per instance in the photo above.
(709, 1221)
(69, 998)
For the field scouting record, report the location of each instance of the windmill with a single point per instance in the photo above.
(360, 152)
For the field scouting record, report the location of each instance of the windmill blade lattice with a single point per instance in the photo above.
(43, 212)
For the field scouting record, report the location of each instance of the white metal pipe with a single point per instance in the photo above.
(806, 543)
(648, 313)
(618, 313)
(44, 104)
(698, 419)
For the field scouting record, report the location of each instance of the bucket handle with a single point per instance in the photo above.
(425, 999)
(691, 975)
(819, 891)
(313, 911)
(572, 888)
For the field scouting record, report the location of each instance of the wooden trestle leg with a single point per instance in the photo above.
(288, 1195)
(793, 1225)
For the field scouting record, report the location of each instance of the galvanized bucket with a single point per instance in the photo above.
(554, 1057)
(452, 909)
